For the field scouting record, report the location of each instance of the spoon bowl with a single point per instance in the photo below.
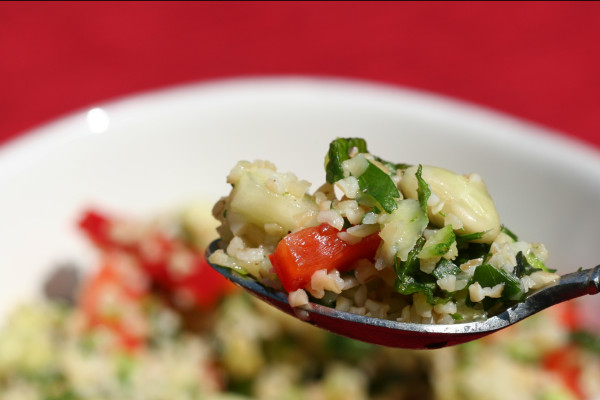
(411, 335)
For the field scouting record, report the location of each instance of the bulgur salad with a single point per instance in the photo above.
(154, 322)
(411, 243)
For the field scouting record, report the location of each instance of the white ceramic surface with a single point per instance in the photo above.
(153, 152)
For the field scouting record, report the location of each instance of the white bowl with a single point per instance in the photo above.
(156, 151)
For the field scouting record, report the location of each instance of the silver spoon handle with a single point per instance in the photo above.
(570, 286)
(579, 283)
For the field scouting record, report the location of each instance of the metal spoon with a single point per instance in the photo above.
(418, 336)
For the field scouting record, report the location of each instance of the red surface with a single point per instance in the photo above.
(538, 61)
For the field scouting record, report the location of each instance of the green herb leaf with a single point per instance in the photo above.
(412, 263)
(460, 239)
(379, 186)
(587, 340)
(409, 285)
(409, 277)
(523, 266)
(444, 268)
(537, 263)
(423, 191)
(391, 166)
(469, 251)
(438, 244)
(488, 276)
(509, 233)
(528, 264)
(339, 151)
(378, 189)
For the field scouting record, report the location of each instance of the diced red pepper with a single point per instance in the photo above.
(205, 285)
(109, 286)
(568, 315)
(563, 362)
(202, 285)
(300, 254)
(97, 227)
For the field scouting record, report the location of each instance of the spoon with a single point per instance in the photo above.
(411, 335)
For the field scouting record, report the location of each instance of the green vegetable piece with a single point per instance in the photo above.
(402, 229)
(537, 263)
(409, 285)
(439, 243)
(469, 251)
(460, 239)
(457, 316)
(523, 266)
(339, 151)
(379, 186)
(488, 276)
(391, 166)
(423, 191)
(444, 268)
(125, 367)
(528, 264)
(509, 233)
(587, 340)
(410, 279)
(378, 189)
(411, 265)
(258, 205)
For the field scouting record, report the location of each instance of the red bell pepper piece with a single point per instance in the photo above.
(564, 363)
(97, 227)
(109, 284)
(299, 254)
(203, 286)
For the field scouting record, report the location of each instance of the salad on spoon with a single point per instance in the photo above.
(410, 256)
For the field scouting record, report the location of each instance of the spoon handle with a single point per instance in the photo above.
(579, 283)
(570, 286)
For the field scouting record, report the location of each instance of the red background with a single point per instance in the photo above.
(538, 61)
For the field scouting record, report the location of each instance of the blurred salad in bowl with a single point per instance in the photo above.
(153, 321)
